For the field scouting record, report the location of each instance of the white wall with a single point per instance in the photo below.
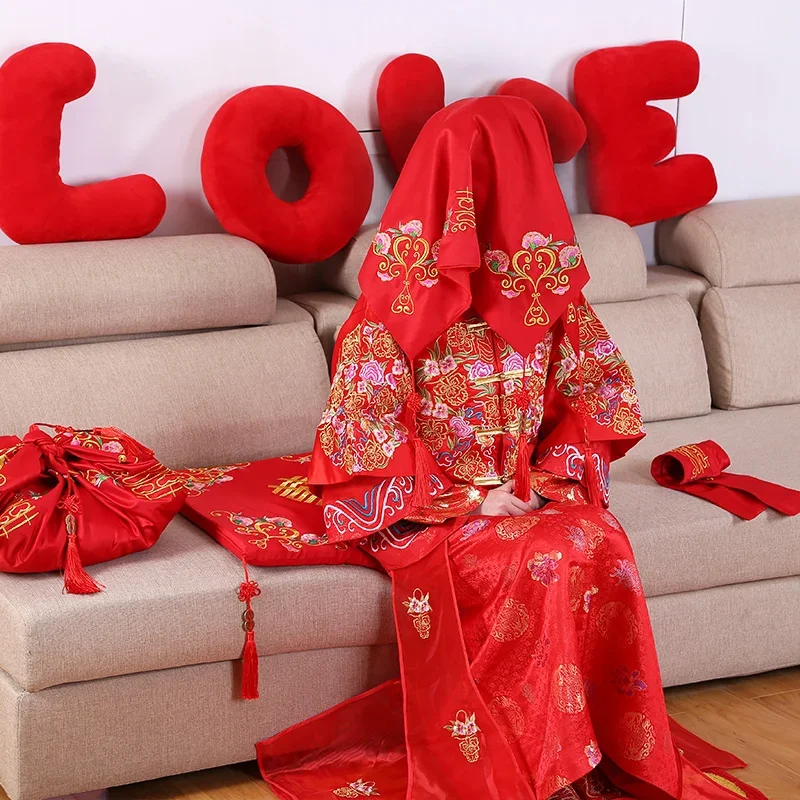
(165, 66)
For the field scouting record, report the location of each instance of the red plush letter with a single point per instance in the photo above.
(565, 127)
(627, 138)
(410, 92)
(245, 132)
(36, 206)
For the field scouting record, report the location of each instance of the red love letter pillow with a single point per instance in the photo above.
(565, 127)
(627, 138)
(36, 206)
(245, 132)
(410, 92)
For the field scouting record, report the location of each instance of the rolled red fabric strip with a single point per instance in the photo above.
(699, 469)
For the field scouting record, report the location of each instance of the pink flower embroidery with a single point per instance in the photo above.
(561, 290)
(569, 256)
(544, 566)
(461, 427)
(480, 369)
(628, 681)
(593, 754)
(430, 368)
(509, 293)
(513, 362)
(447, 364)
(426, 407)
(412, 228)
(112, 447)
(626, 574)
(372, 372)
(384, 276)
(398, 367)
(533, 239)
(381, 244)
(350, 372)
(244, 522)
(604, 347)
(428, 282)
(312, 539)
(496, 260)
(473, 527)
(440, 411)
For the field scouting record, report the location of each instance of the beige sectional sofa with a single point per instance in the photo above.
(182, 342)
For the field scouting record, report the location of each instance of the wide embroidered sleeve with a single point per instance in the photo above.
(363, 462)
(590, 409)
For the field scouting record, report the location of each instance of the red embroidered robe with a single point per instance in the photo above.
(528, 665)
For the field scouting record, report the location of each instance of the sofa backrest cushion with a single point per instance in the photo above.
(197, 400)
(81, 290)
(742, 243)
(751, 336)
(661, 341)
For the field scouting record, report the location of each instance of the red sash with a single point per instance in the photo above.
(699, 469)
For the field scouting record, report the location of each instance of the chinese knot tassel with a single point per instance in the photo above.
(76, 579)
(422, 470)
(522, 476)
(247, 591)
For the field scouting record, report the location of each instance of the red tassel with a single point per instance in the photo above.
(522, 477)
(250, 667)
(247, 591)
(422, 469)
(76, 579)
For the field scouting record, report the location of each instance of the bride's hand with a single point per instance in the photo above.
(501, 502)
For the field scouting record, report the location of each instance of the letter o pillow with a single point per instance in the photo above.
(244, 133)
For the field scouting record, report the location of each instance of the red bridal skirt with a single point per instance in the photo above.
(528, 672)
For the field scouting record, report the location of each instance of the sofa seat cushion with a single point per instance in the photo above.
(683, 543)
(175, 605)
(663, 279)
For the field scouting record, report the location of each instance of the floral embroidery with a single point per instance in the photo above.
(549, 261)
(593, 754)
(544, 566)
(626, 574)
(419, 609)
(512, 622)
(406, 254)
(200, 480)
(360, 428)
(359, 788)
(462, 217)
(465, 729)
(628, 681)
(272, 529)
(580, 596)
(474, 526)
(608, 388)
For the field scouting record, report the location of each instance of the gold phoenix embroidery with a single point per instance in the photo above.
(462, 216)
(18, 514)
(541, 265)
(698, 459)
(406, 254)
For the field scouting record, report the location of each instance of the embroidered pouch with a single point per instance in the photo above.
(265, 513)
(78, 497)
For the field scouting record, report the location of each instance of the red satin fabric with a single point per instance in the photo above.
(528, 671)
(700, 469)
(121, 497)
(476, 220)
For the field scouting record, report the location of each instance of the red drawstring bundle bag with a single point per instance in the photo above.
(79, 497)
